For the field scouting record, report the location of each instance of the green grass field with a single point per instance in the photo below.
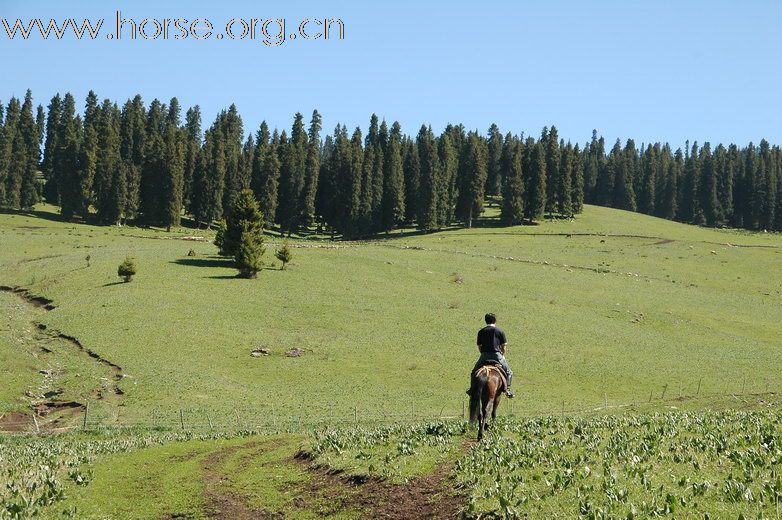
(613, 306)
(616, 312)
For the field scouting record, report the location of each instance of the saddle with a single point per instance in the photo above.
(493, 366)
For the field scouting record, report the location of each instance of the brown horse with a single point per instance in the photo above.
(488, 384)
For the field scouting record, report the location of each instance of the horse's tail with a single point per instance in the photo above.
(479, 382)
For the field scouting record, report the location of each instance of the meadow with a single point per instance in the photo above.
(617, 322)
(608, 309)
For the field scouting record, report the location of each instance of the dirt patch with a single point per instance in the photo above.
(431, 496)
(15, 422)
(38, 301)
(222, 502)
(44, 409)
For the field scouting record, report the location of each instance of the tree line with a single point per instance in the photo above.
(144, 164)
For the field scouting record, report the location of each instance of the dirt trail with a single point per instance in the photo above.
(50, 403)
(221, 501)
(428, 497)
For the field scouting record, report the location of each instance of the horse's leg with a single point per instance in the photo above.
(494, 408)
(485, 399)
(486, 405)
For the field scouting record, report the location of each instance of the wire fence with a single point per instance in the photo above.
(97, 415)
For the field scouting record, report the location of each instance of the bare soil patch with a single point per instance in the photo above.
(433, 496)
(222, 502)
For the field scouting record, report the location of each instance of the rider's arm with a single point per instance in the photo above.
(503, 347)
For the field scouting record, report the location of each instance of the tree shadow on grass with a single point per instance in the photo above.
(237, 277)
(212, 261)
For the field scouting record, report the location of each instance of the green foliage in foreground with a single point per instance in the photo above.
(669, 465)
(674, 465)
(36, 472)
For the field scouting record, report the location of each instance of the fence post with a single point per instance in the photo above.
(355, 414)
(209, 419)
(182, 418)
(86, 413)
(35, 422)
(743, 384)
(665, 389)
(463, 406)
(698, 391)
(650, 395)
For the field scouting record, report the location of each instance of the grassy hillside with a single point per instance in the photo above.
(607, 309)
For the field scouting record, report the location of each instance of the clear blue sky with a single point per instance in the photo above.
(657, 70)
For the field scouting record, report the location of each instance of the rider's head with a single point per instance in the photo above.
(490, 319)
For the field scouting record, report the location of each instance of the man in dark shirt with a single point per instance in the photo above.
(492, 344)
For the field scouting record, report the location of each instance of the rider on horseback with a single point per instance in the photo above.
(492, 344)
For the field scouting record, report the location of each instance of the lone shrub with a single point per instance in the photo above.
(127, 269)
(284, 255)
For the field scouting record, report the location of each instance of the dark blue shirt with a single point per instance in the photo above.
(490, 338)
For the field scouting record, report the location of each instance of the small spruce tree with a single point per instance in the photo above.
(243, 237)
(220, 238)
(284, 255)
(127, 269)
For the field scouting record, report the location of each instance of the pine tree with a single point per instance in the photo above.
(535, 164)
(66, 160)
(3, 156)
(371, 152)
(393, 204)
(724, 170)
(294, 154)
(324, 196)
(153, 165)
(708, 187)
(284, 255)
(767, 192)
(494, 180)
(449, 165)
(411, 165)
(690, 207)
(553, 177)
(132, 137)
(577, 181)
(173, 179)
(192, 146)
(30, 136)
(647, 190)
(674, 171)
(311, 173)
(270, 175)
(257, 180)
(564, 183)
(14, 156)
(244, 234)
(623, 165)
(469, 204)
(50, 149)
(513, 182)
(209, 184)
(430, 172)
(109, 186)
(232, 136)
